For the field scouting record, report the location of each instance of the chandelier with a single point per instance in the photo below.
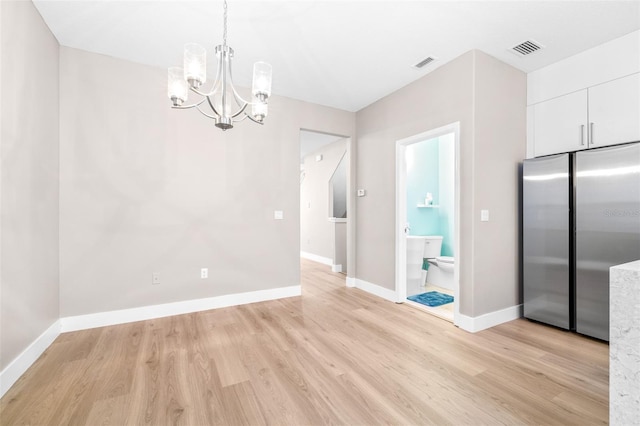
(222, 103)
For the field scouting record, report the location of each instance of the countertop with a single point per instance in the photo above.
(624, 344)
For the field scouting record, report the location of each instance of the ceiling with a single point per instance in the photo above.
(343, 54)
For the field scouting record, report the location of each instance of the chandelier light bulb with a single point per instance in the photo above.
(195, 64)
(259, 110)
(177, 87)
(261, 87)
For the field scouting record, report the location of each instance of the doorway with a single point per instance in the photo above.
(433, 204)
(326, 204)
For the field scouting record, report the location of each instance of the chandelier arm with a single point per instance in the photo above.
(196, 105)
(241, 110)
(212, 107)
(253, 119)
(236, 95)
(204, 94)
(207, 115)
(239, 99)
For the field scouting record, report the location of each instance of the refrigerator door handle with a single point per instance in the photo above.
(582, 134)
(591, 134)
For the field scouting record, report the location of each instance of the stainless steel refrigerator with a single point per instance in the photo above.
(547, 252)
(581, 215)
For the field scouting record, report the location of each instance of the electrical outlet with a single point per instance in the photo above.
(204, 273)
(155, 278)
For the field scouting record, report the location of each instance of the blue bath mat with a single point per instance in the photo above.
(432, 298)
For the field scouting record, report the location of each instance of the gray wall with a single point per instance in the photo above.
(316, 232)
(29, 178)
(145, 189)
(444, 96)
(488, 98)
(499, 148)
(340, 245)
(338, 189)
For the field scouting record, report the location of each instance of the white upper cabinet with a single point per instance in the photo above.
(588, 100)
(614, 112)
(606, 114)
(559, 125)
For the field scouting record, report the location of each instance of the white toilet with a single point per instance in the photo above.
(420, 248)
(445, 263)
(432, 246)
(441, 272)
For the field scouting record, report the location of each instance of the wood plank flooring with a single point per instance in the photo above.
(336, 355)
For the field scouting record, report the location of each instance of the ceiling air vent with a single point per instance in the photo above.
(424, 62)
(526, 48)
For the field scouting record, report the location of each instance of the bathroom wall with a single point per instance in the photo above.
(431, 168)
(29, 179)
(422, 177)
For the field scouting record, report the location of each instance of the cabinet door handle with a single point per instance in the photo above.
(591, 134)
(582, 134)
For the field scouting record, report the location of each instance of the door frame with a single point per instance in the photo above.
(401, 211)
(351, 204)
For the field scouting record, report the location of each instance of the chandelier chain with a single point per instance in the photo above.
(224, 35)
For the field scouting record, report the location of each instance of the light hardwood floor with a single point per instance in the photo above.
(335, 355)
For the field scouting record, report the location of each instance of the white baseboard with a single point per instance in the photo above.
(102, 319)
(482, 322)
(336, 268)
(351, 282)
(316, 258)
(376, 290)
(22, 362)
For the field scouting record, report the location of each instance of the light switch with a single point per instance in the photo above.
(278, 215)
(361, 193)
(484, 215)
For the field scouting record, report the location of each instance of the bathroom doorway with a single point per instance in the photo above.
(326, 200)
(427, 221)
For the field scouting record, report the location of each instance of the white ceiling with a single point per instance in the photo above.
(344, 54)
